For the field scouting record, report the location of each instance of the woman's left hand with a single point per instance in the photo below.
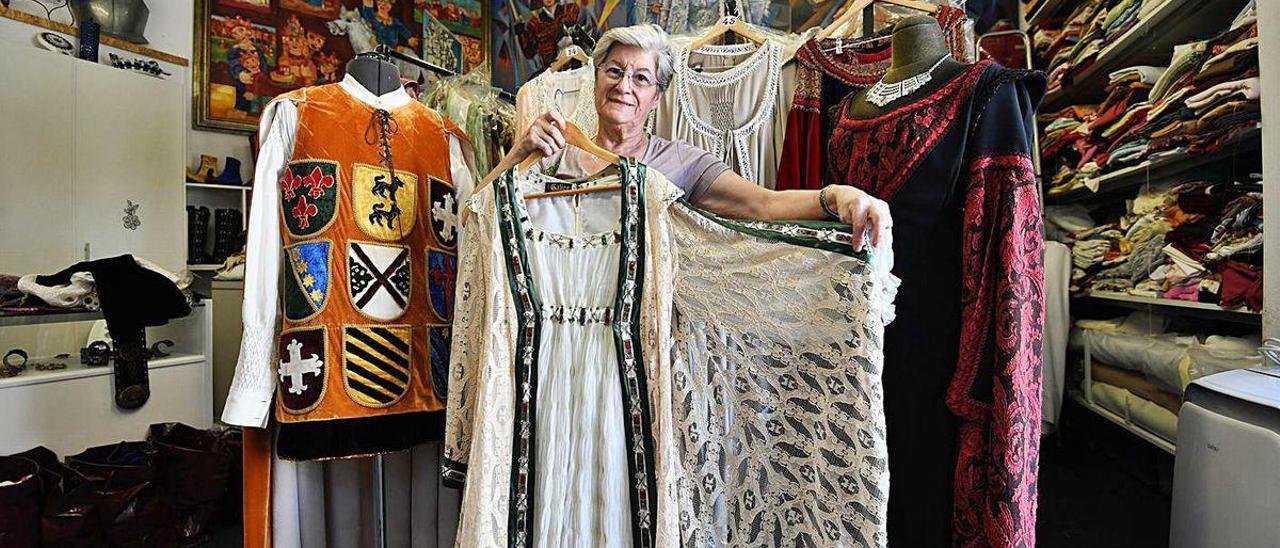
(864, 213)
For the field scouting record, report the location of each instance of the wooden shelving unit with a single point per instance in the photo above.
(11, 13)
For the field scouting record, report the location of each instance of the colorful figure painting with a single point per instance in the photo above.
(528, 34)
(249, 51)
(463, 17)
(318, 8)
(263, 6)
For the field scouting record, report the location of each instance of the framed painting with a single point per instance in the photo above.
(246, 52)
(526, 35)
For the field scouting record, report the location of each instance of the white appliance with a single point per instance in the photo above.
(1226, 478)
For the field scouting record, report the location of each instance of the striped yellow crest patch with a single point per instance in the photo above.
(376, 363)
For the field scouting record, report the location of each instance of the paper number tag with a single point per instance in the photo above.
(729, 20)
(571, 51)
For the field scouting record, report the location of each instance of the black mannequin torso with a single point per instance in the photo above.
(918, 43)
(377, 74)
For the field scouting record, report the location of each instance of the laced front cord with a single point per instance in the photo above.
(382, 127)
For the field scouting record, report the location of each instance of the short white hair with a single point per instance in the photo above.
(650, 38)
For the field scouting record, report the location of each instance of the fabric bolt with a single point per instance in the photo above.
(732, 101)
(1186, 61)
(955, 167)
(1057, 325)
(613, 441)
(570, 92)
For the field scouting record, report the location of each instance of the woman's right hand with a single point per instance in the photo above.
(545, 136)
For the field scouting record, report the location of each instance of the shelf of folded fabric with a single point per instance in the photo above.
(76, 370)
(1047, 8)
(1122, 422)
(1164, 169)
(1175, 306)
(1149, 42)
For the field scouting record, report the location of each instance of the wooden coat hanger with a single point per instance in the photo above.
(726, 25)
(856, 7)
(573, 135)
(568, 55)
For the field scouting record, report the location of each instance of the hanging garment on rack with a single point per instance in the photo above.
(964, 410)
(364, 279)
(732, 101)
(488, 122)
(569, 423)
(569, 92)
(826, 72)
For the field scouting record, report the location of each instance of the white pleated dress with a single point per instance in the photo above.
(572, 244)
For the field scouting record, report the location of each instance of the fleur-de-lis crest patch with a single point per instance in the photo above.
(309, 196)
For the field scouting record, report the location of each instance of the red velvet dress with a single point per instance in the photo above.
(962, 361)
(826, 74)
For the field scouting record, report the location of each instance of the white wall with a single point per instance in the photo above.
(170, 28)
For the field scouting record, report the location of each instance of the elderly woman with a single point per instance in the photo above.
(634, 67)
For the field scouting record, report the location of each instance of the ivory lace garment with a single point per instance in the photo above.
(570, 92)
(571, 424)
(732, 101)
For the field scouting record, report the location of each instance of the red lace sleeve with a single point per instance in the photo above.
(996, 390)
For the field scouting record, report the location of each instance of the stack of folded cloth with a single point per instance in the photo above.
(1195, 241)
(1073, 43)
(1080, 141)
(1062, 42)
(1204, 99)
(1208, 95)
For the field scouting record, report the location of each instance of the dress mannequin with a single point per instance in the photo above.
(918, 43)
(954, 161)
(375, 73)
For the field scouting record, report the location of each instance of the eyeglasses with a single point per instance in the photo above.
(640, 80)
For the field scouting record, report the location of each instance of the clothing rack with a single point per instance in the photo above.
(422, 63)
(383, 49)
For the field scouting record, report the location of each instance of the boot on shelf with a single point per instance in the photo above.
(228, 234)
(197, 235)
(204, 172)
(230, 174)
(19, 503)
